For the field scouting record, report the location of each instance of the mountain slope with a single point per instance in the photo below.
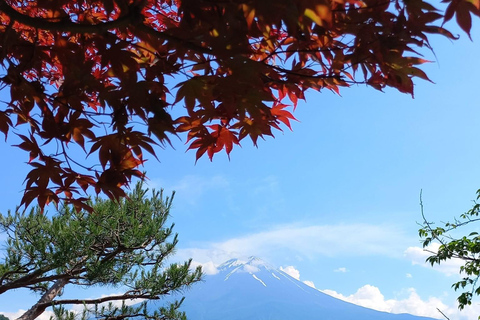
(255, 291)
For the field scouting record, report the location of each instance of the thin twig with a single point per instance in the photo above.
(443, 314)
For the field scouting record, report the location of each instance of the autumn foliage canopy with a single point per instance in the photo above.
(117, 77)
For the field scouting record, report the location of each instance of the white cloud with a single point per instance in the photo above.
(419, 255)
(291, 271)
(370, 297)
(208, 268)
(408, 275)
(203, 256)
(306, 241)
(75, 308)
(328, 240)
(250, 268)
(367, 296)
(342, 269)
(294, 273)
(14, 315)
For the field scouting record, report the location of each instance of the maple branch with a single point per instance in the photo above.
(133, 17)
(324, 76)
(165, 36)
(312, 51)
(68, 159)
(370, 6)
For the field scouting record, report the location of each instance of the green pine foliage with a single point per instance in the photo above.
(122, 244)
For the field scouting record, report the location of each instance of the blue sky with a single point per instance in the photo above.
(336, 201)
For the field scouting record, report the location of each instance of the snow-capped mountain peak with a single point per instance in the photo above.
(250, 261)
(260, 271)
(252, 289)
(232, 263)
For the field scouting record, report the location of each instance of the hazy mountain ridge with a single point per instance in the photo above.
(254, 290)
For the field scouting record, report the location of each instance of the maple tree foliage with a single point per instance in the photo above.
(117, 77)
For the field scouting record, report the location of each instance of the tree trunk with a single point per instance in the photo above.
(38, 308)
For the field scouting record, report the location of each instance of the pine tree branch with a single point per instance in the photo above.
(25, 280)
(45, 301)
(112, 251)
(34, 277)
(125, 296)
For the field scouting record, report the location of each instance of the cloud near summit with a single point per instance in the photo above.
(306, 242)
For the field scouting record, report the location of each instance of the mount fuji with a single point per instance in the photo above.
(254, 290)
